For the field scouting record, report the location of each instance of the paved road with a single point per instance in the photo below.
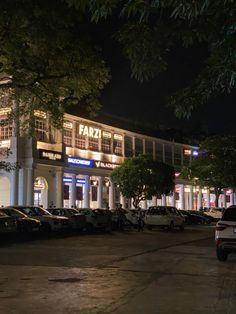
(121, 273)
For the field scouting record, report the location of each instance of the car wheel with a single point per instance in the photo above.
(221, 255)
(89, 228)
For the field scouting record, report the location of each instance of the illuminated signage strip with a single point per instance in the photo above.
(85, 130)
(187, 152)
(106, 134)
(69, 180)
(105, 165)
(68, 125)
(40, 114)
(80, 162)
(50, 155)
(118, 137)
(5, 143)
(4, 111)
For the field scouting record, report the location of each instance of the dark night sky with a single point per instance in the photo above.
(145, 102)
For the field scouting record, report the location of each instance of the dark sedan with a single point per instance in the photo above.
(7, 224)
(24, 223)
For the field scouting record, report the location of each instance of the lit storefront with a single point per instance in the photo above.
(71, 167)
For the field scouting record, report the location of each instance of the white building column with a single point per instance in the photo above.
(199, 198)
(59, 188)
(224, 198)
(99, 192)
(122, 200)
(22, 186)
(14, 191)
(173, 201)
(231, 197)
(144, 204)
(72, 201)
(30, 187)
(112, 195)
(154, 201)
(208, 198)
(181, 196)
(86, 202)
(190, 203)
(163, 200)
(234, 198)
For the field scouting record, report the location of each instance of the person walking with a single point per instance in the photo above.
(140, 220)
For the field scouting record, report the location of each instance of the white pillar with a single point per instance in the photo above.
(14, 192)
(173, 201)
(111, 195)
(86, 202)
(190, 204)
(72, 201)
(131, 203)
(22, 186)
(231, 198)
(181, 197)
(199, 198)
(163, 200)
(144, 204)
(59, 188)
(224, 199)
(122, 200)
(30, 187)
(234, 198)
(99, 192)
(154, 201)
(208, 198)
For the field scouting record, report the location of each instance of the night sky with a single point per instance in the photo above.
(146, 102)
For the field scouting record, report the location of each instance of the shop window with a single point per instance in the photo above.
(93, 143)
(40, 130)
(106, 145)
(68, 137)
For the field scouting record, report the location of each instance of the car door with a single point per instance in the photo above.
(177, 219)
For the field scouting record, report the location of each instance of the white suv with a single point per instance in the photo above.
(225, 234)
(164, 216)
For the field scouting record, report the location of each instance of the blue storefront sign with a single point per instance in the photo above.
(80, 162)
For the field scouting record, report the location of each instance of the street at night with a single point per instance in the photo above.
(121, 272)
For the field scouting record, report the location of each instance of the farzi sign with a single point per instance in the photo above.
(85, 130)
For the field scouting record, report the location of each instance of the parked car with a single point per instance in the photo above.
(193, 218)
(48, 221)
(225, 234)
(96, 219)
(24, 223)
(215, 213)
(164, 216)
(208, 219)
(77, 221)
(7, 224)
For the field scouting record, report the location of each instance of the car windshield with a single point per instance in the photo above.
(229, 214)
(35, 211)
(14, 212)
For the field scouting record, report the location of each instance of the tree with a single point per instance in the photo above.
(215, 167)
(140, 178)
(151, 29)
(47, 58)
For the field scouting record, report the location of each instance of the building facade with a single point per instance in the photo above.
(71, 167)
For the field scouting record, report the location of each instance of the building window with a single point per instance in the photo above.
(177, 155)
(117, 147)
(5, 129)
(168, 154)
(138, 146)
(40, 130)
(159, 152)
(128, 147)
(149, 149)
(106, 145)
(80, 141)
(68, 137)
(93, 143)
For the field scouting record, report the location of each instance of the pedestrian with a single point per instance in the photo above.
(120, 218)
(140, 220)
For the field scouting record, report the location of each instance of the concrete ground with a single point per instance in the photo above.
(121, 273)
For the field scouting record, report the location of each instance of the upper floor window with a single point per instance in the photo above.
(168, 154)
(40, 130)
(93, 143)
(117, 144)
(138, 146)
(177, 155)
(5, 129)
(68, 137)
(106, 145)
(128, 147)
(159, 152)
(149, 148)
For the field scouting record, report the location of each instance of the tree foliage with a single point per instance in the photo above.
(141, 178)
(152, 28)
(47, 58)
(215, 167)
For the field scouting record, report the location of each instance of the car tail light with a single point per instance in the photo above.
(221, 227)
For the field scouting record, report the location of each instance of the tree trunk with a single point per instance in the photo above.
(217, 194)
